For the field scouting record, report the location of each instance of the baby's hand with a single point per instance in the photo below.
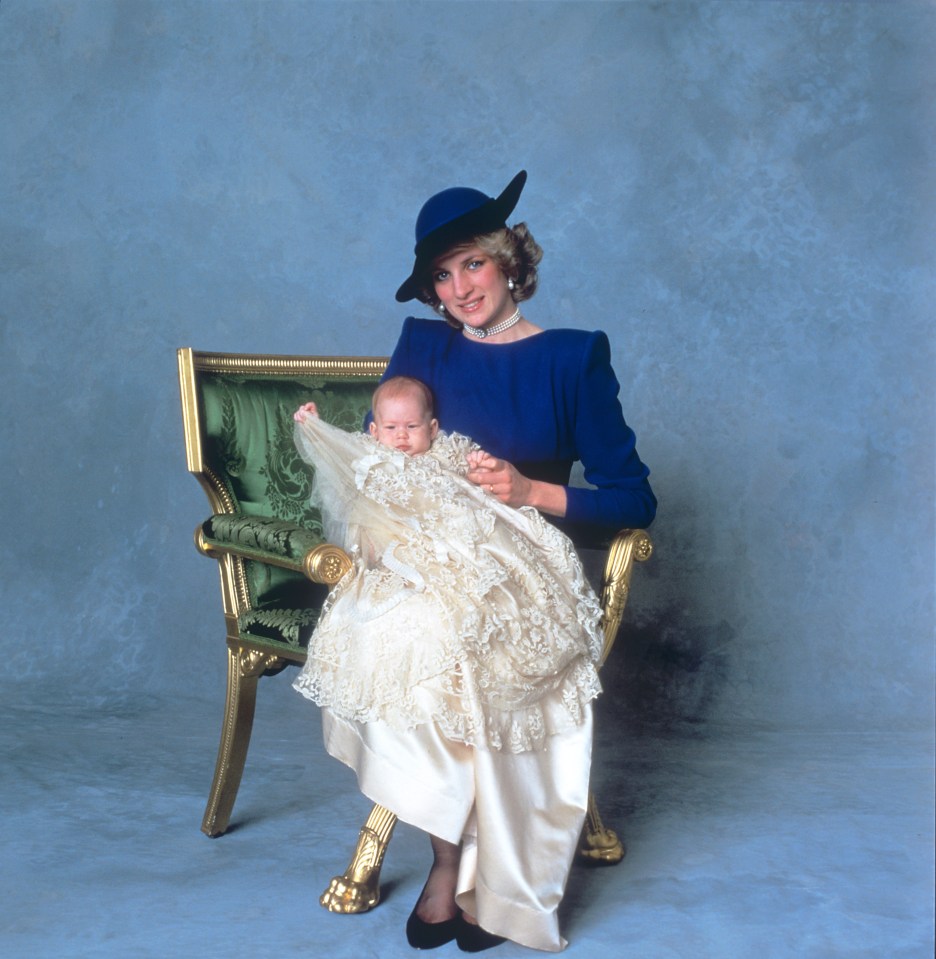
(304, 411)
(474, 458)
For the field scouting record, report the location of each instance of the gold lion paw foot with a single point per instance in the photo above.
(602, 848)
(358, 890)
(348, 896)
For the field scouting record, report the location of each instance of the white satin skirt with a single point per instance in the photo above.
(517, 815)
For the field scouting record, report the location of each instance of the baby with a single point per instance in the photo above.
(403, 418)
(403, 415)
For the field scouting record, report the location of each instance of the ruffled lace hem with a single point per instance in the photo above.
(513, 730)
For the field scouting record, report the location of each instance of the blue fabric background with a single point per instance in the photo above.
(740, 194)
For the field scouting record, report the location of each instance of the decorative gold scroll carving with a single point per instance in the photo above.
(253, 662)
(326, 564)
(628, 546)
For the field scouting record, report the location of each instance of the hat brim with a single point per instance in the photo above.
(486, 218)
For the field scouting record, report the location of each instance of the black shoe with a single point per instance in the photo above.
(472, 938)
(430, 935)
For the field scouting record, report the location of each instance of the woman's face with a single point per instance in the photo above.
(471, 287)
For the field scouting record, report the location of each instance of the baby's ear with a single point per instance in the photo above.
(433, 429)
(372, 428)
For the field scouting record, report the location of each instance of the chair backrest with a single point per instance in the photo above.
(237, 414)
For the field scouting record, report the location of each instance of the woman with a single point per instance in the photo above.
(504, 826)
(538, 399)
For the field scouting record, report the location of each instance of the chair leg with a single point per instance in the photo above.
(245, 667)
(599, 845)
(358, 889)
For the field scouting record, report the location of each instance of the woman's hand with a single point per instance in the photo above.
(304, 411)
(499, 478)
(502, 480)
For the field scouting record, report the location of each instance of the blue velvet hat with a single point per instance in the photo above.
(451, 216)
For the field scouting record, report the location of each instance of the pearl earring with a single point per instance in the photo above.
(441, 307)
(510, 285)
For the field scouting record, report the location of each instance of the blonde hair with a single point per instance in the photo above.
(402, 386)
(514, 251)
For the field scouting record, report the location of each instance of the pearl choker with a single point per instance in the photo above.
(480, 334)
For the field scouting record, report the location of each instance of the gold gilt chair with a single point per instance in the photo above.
(276, 568)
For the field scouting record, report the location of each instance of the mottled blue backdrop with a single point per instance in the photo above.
(740, 194)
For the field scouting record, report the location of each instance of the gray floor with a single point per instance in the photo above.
(740, 842)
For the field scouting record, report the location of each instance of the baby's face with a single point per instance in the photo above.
(403, 423)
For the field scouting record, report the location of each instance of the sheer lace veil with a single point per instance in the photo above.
(340, 460)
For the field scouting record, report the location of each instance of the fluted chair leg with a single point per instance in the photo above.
(244, 670)
(599, 845)
(358, 889)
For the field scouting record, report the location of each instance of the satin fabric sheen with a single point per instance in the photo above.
(519, 815)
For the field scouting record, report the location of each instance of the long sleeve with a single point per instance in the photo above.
(607, 448)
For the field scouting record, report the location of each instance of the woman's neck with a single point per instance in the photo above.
(519, 331)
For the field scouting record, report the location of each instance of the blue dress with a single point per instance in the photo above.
(541, 403)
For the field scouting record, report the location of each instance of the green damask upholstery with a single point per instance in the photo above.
(262, 534)
(284, 604)
(248, 442)
(249, 435)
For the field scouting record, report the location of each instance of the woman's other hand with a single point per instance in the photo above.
(304, 411)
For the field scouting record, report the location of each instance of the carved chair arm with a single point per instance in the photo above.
(628, 546)
(275, 542)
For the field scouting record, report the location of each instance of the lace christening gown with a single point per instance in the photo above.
(459, 610)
